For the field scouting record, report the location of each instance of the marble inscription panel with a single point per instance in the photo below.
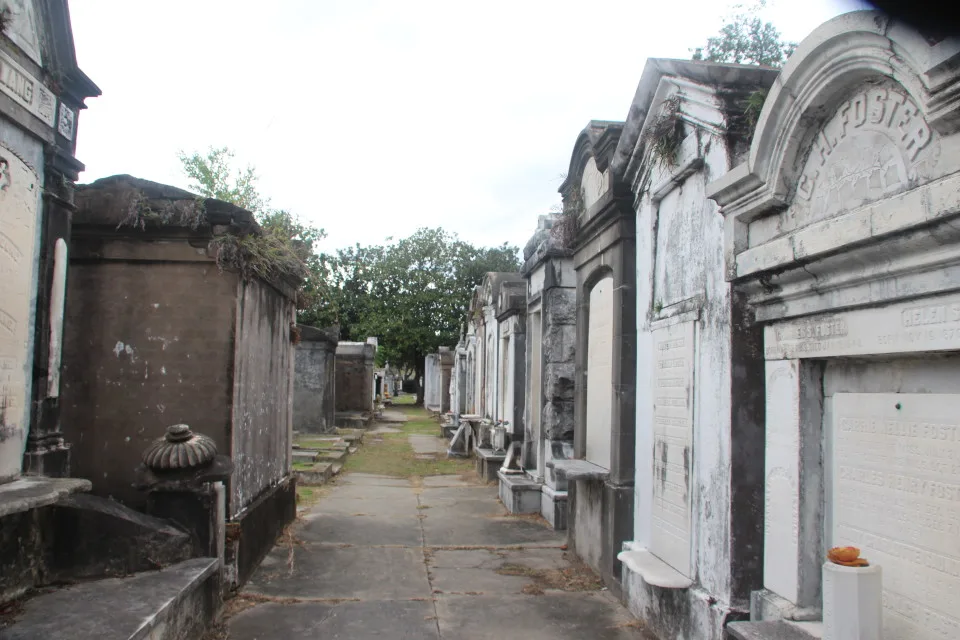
(877, 144)
(600, 373)
(18, 219)
(930, 324)
(896, 494)
(673, 381)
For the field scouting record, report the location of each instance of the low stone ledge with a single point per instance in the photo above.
(578, 470)
(33, 492)
(491, 455)
(775, 630)
(175, 602)
(653, 570)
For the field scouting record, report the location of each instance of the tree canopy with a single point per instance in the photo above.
(746, 39)
(412, 294)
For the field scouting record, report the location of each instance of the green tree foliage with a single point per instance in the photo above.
(746, 39)
(285, 238)
(412, 294)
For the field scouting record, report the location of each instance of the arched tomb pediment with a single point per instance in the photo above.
(864, 111)
(491, 286)
(590, 175)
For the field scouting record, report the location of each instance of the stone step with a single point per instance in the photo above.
(318, 442)
(353, 420)
(177, 602)
(332, 455)
(317, 475)
(351, 436)
(775, 630)
(305, 455)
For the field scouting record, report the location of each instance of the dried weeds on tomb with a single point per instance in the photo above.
(665, 134)
(158, 212)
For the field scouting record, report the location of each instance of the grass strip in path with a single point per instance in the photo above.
(390, 454)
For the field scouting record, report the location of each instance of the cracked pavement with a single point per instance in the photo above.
(383, 557)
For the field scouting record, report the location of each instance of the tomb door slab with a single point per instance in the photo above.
(893, 490)
(600, 373)
(673, 380)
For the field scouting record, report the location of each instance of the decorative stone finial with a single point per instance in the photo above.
(180, 448)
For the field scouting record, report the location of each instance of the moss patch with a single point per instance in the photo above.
(307, 496)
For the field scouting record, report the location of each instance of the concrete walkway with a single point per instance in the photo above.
(383, 557)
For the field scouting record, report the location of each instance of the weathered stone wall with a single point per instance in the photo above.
(136, 358)
(263, 393)
(559, 350)
(314, 380)
(354, 379)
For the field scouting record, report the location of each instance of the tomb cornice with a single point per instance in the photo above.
(547, 250)
(923, 262)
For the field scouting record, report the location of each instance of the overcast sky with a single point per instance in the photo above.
(371, 118)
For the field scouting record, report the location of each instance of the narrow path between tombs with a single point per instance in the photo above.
(420, 549)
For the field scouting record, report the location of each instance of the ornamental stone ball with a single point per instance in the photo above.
(180, 448)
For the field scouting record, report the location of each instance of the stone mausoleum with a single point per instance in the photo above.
(600, 480)
(549, 375)
(699, 402)
(314, 380)
(355, 384)
(138, 362)
(841, 233)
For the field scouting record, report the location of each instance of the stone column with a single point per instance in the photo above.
(47, 453)
(793, 500)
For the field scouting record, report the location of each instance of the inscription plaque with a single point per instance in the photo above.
(26, 90)
(875, 145)
(19, 187)
(895, 476)
(931, 324)
(672, 444)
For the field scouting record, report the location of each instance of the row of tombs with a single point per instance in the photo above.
(737, 347)
(150, 383)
